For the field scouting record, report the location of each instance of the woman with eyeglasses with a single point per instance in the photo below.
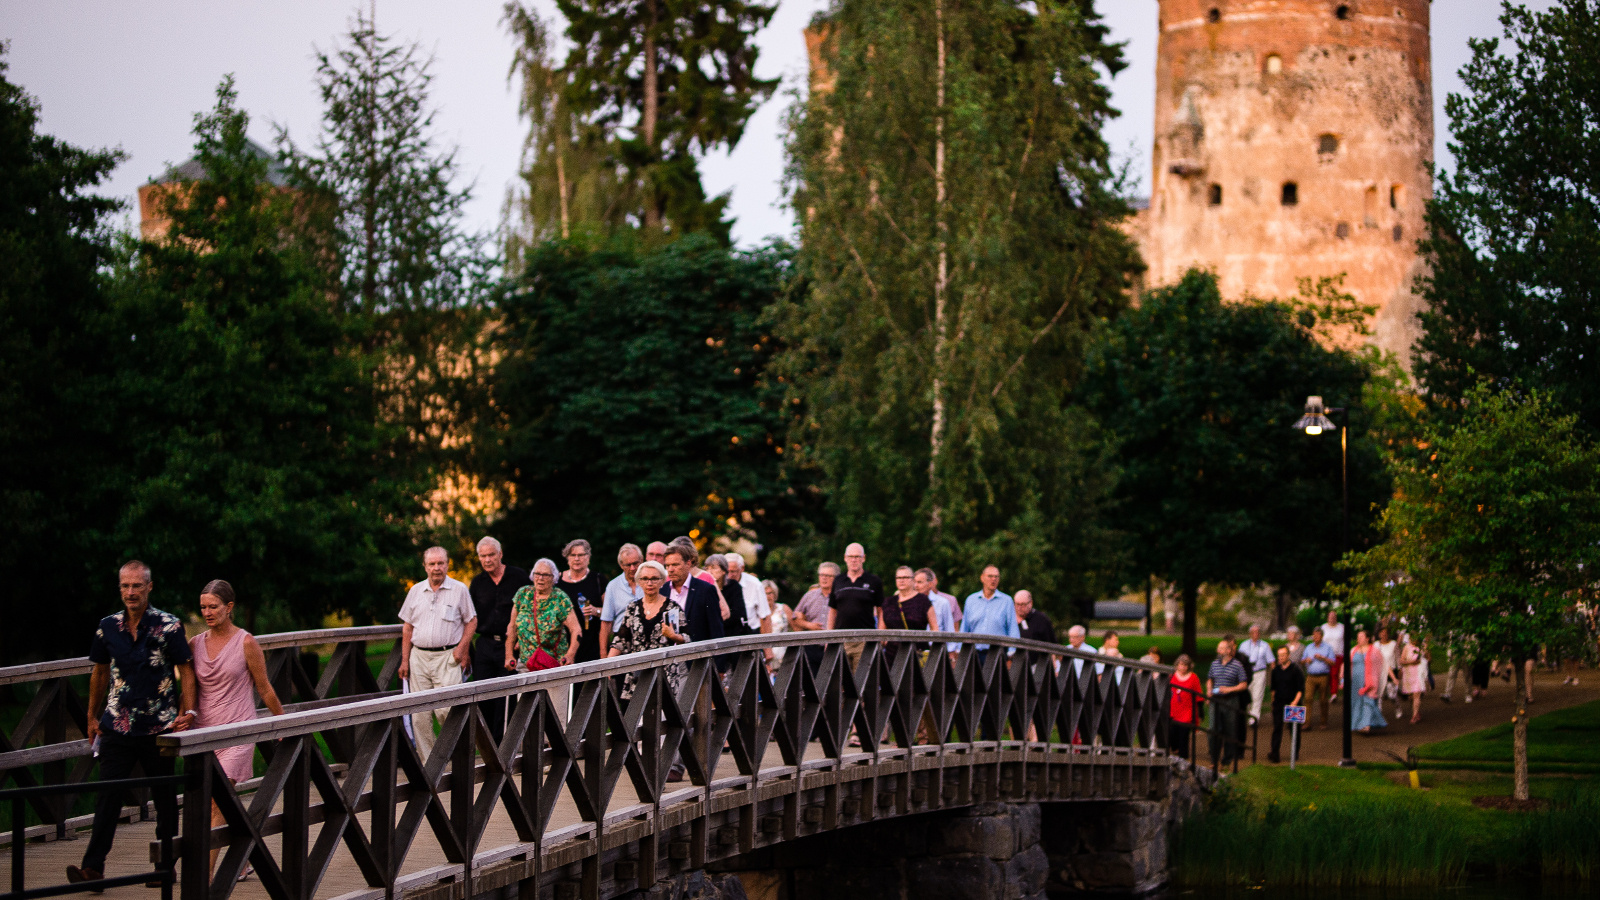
(649, 623)
(542, 618)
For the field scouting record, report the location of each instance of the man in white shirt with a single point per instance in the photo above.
(1075, 636)
(1260, 656)
(757, 612)
(621, 591)
(439, 623)
(1333, 635)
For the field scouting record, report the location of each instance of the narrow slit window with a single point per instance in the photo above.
(1396, 195)
(1291, 193)
(1214, 16)
(1342, 230)
(1214, 195)
(1342, 12)
(1274, 64)
(1328, 144)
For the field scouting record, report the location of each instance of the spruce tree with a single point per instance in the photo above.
(959, 218)
(257, 452)
(657, 83)
(382, 202)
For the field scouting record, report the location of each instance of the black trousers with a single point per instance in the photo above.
(1178, 737)
(1277, 732)
(488, 661)
(119, 754)
(1228, 726)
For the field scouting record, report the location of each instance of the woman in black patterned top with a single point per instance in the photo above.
(647, 624)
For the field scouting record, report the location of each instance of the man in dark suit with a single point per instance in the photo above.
(702, 607)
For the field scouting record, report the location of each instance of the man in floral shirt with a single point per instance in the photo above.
(135, 694)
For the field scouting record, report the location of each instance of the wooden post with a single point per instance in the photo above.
(197, 826)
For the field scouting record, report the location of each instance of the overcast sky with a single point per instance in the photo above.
(133, 74)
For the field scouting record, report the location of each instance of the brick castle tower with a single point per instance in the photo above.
(1293, 138)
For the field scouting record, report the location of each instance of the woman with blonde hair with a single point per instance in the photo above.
(230, 670)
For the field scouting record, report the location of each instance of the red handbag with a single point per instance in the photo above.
(539, 660)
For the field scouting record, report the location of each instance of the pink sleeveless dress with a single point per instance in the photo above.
(226, 696)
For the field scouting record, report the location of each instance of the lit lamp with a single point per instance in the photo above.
(1314, 422)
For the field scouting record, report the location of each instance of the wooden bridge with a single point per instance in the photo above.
(346, 809)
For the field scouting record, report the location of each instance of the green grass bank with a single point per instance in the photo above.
(1321, 826)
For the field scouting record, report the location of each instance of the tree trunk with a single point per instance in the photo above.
(941, 281)
(1191, 616)
(647, 116)
(1519, 735)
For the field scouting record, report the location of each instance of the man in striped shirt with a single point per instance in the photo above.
(1228, 689)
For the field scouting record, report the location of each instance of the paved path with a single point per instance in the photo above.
(1440, 720)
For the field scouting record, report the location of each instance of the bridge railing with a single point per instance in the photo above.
(1018, 719)
(49, 734)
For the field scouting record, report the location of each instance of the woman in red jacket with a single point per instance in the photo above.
(1184, 709)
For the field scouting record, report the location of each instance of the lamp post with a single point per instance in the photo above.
(1314, 422)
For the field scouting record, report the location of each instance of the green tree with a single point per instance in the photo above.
(1216, 485)
(635, 396)
(657, 82)
(959, 220)
(57, 500)
(571, 181)
(257, 450)
(380, 200)
(1512, 293)
(1493, 539)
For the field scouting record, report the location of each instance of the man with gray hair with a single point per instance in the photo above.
(621, 591)
(439, 623)
(492, 591)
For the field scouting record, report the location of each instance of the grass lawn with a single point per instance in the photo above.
(1564, 740)
(1331, 827)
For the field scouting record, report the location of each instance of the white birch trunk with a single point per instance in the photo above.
(941, 281)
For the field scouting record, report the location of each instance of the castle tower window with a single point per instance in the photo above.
(1327, 144)
(1274, 64)
(1343, 12)
(1398, 232)
(1291, 193)
(1396, 195)
(1214, 16)
(1342, 230)
(1214, 195)
(1369, 208)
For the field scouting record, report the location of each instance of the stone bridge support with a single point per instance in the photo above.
(990, 851)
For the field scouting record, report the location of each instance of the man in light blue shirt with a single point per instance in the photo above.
(991, 610)
(1318, 657)
(944, 617)
(622, 591)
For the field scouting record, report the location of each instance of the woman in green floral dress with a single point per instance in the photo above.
(542, 618)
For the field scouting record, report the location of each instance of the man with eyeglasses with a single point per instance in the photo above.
(621, 591)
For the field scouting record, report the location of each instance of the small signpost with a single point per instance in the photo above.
(1294, 717)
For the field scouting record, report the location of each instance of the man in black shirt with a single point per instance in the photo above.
(1288, 686)
(492, 591)
(1031, 623)
(856, 601)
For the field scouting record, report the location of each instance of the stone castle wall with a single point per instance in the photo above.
(1332, 98)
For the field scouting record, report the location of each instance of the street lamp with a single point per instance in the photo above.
(1314, 422)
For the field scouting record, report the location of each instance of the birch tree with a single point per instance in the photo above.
(959, 218)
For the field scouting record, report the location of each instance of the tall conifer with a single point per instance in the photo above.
(959, 222)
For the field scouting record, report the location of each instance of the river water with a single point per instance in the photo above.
(1477, 890)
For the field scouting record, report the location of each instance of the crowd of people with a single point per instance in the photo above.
(148, 678)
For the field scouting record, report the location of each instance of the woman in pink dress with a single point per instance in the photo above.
(228, 663)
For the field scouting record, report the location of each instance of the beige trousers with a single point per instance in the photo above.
(430, 669)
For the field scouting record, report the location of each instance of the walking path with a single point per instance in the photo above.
(1440, 720)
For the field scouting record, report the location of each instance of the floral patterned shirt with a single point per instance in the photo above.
(144, 695)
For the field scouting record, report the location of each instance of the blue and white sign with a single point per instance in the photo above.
(1294, 714)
